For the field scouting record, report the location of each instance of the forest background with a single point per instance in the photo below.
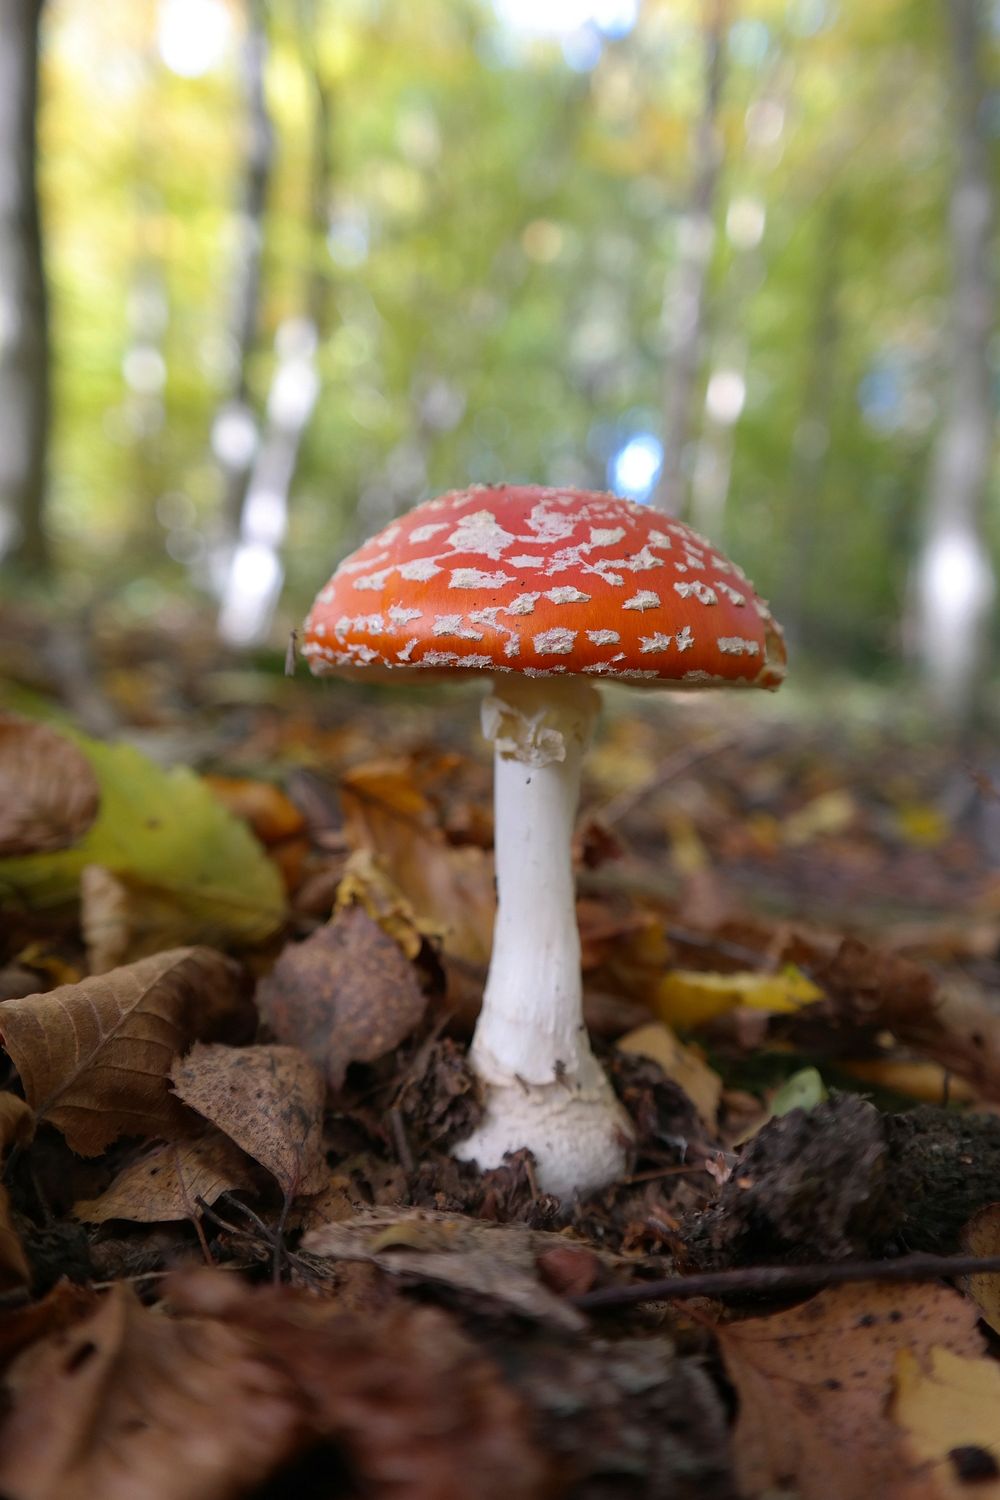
(272, 272)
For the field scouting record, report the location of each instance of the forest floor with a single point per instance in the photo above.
(236, 1256)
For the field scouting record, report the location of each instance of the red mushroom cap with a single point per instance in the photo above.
(545, 582)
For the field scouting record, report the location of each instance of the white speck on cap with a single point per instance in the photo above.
(555, 642)
(420, 570)
(473, 578)
(567, 595)
(644, 599)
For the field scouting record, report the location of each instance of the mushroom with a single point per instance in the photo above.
(545, 592)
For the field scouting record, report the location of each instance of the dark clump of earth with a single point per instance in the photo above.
(845, 1181)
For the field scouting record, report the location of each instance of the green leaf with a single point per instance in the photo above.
(165, 831)
(804, 1090)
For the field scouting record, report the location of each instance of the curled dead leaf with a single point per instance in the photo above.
(344, 995)
(166, 1183)
(495, 1262)
(94, 1057)
(49, 795)
(269, 1100)
(449, 889)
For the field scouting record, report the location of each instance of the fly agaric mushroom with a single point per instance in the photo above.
(545, 591)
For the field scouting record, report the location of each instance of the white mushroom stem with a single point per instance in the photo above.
(543, 1087)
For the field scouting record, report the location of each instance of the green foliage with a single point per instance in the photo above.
(165, 833)
(502, 229)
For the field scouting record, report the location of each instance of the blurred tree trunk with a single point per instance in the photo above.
(954, 584)
(255, 575)
(811, 438)
(24, 343)
(684, 303)
(236, 430)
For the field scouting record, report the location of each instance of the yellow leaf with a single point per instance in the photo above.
(687, 998)
(685, 1065)
(829, 813)
(914, 1077)
(950, 1415)
(922, 825)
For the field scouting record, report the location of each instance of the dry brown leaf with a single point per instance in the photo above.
(450, 889)
(49, 795)
(814, 1385)
(269, 1100)
(129, 1404)
(685, 1065)
(981, 1236)
(344, 995)
(17, 1126)
(497, 1262)
(94, 1057)
(950, 1415)
(416, 1409)
(953, 1023)
(165, 1184)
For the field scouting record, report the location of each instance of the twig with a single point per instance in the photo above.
(670, 767)
(789, 1279)
(400, 1140)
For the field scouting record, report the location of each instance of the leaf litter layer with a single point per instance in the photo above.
(236, 1256)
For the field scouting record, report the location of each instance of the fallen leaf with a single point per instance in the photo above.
(685, 1065)
(270, 812)
(690, 998)
(803, 1090)
(126, 1404)
(814, 1384)
(344, 995)
(363, 882)
(17, 1126)
(950, 1414)
(913, 1077)
(165, 1184)
(450, 889)
(94, 1057)
(496, 1262)
(954, 1022)
(416, 1410)
(269, 1100)
(49, 796)
(981, 1236)
(164, 831)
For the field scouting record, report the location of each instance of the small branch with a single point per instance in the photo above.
(789, 1279)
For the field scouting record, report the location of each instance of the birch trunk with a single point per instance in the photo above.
(954, 584)
(24, 338)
